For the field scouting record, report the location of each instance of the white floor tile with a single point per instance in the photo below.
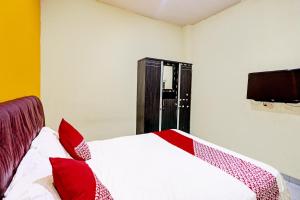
(294, 191)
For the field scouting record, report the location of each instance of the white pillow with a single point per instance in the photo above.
(33, 178)
(48, 145)
(32, 181)
(29, 161)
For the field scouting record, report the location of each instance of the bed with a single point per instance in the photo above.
(143, 167)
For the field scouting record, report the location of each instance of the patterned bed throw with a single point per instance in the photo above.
(257, 179)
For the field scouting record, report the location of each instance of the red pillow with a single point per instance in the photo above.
(74, 179)
(73, 141)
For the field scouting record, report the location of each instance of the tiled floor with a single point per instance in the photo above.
(294, 190)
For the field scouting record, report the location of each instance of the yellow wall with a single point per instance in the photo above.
(19, 48)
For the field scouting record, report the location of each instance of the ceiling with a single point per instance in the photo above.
(180, 12)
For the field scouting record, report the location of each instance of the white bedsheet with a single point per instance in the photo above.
(142, 167)
(145, 167)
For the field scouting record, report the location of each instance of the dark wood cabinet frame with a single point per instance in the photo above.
(158, 108)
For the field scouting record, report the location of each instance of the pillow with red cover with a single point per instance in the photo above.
(73, 141)
(74, 179)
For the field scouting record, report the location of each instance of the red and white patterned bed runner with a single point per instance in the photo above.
(257, 179)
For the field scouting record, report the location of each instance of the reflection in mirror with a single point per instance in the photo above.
(168, 78)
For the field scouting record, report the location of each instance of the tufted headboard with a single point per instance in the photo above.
(20, 122)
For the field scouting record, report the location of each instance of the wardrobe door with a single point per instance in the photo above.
(152, 95)
(185, 97)
(169, 114)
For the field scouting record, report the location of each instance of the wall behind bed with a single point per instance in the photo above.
(19, 48)
(89, 63)
(255, 35)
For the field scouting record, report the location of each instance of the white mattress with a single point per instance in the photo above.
(143, 167)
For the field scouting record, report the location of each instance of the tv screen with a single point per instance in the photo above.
(274, 86)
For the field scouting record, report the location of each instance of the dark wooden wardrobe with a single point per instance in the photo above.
(163, 95)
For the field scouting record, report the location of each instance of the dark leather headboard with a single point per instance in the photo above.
(20, 122)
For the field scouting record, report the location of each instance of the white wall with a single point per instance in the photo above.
(255, 35)
(89, 55)
(89, 63)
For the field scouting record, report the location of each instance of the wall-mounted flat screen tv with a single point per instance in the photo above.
(275, 86)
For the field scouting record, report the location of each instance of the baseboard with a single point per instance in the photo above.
(291, 179)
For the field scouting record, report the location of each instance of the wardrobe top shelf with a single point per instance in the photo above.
(149, 58)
